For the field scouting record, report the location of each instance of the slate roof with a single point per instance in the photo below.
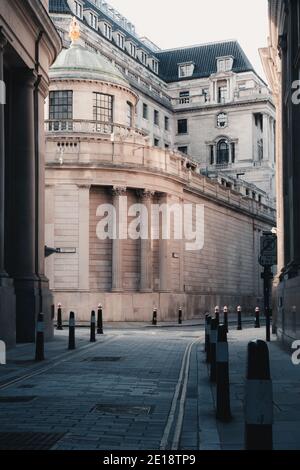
(204, 57)
(59, 6)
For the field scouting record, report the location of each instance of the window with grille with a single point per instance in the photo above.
(60, 109)
(103, 111)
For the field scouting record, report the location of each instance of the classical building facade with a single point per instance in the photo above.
(29, 44)
(205, 101)
(103, 170)
(281, 60)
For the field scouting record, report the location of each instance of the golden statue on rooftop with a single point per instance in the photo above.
(74, 30)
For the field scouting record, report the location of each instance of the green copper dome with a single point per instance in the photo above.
(79, 63)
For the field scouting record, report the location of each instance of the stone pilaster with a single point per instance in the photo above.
(117, 268)
(266, 135)
(84, 223)
(146, 266)
(164, 256)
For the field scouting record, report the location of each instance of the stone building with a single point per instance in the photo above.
(29, 44)
(99, 157)
(205, 101)
(282, 66)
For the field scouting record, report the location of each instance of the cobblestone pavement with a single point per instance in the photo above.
(135, 388)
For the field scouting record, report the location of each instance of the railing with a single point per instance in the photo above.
(91, 127)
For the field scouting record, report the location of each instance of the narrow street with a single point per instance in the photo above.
(136, 388)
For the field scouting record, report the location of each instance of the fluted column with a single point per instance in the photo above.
(118, 194)
(266, 125)
(146, 270)
(2, 164)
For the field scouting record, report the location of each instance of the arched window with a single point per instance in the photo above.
(222, 152)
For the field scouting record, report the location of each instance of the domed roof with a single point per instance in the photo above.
(79, 63)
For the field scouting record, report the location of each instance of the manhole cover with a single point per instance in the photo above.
(28, 440)
(103, 359)
(21, 399)
(123, 409)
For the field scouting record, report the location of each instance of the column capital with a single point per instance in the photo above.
(27, 77)
(145, 193)
(84, 186)
(118, 190)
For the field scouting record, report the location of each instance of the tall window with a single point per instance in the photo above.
(60, 109)
(154, 66)
(107, 31)
(156, 117)
(222, 94)
(103, 111)
(145, 111)
(167, 123)
(129, 117)
(93, 21)
(120, 40)
(132, 49)
(144, 57)
(223, 153)
(78, 10)
(182, 126)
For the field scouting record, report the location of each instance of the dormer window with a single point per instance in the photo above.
(224, 64)
(154, 65)
(186, 69)
(132, 49)
(143, 57)
(78, 10)
(107, 31)
(93, 21)
(120, 40)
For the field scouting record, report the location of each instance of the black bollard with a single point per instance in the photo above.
(208, 331)
(59, 318)
(213, 345)
(99, 320)
(206, 335)
(225, 311)
(239, 323)
(217, 314)
(39, 341)
(154, 317)
(223, 412)
(258, 399)
(72, 331)
(257, 319)
(180, 316)
(93, 327)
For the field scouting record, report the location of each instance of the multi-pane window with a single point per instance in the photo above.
(144, 57)
(132, 49)
(103, 111)
(223, 153)
(154, 66)
(93, 21)
(184, 97)
(120, 40)
(167, 123)
(78, 9)
(222, 94)
(107, 30)
(182, 126)
(185, 70)
(222, 120)
(129, 118)
(156, 117)
(61, 109)
(145, 111)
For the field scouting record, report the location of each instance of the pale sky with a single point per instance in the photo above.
(173, 23)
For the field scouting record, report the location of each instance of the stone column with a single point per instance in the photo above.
(25, 216)
(266, 124)
(146, 270)
(117, 269)
(164, 257)
(84, 233)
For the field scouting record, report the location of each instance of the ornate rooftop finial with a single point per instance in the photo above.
(74, 30)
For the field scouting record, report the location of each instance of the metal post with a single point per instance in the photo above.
(100, 320)
(217, 314)
(59, 318)
(93, 327)
(180, 316)
(72, 331)
(225, 311)
(239, 312)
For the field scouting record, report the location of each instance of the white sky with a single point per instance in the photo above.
(173, 23)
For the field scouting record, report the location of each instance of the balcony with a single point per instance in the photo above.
(76, 126)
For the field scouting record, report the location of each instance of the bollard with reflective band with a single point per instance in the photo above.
(217, 314)
(258, 399)
(225, 311)
(99, 320)
(208, 331)
(180, 316)
(257, 319)
(72, 331)
(223, 412)
(239, 323)
(59, 318)
(39, 342)
(213, 345)
(93, 327)
(154, 317)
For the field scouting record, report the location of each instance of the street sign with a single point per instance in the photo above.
(268, 249)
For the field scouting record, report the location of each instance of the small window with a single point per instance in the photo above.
(156, 142)
(167, 123)
(182, 127)
(156, 117)
(205, 93)
(144, 57)
(222, 120)
(167, 146)
(78, 10)
(93, 21)
(145, 111)
(186, 70)
(183, 149)
(120, 40)
(107, 31)
(132, 49)
(154, 66)
(184, 97)
(253, 195)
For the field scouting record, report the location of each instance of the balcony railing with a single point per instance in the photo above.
(66, 126)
